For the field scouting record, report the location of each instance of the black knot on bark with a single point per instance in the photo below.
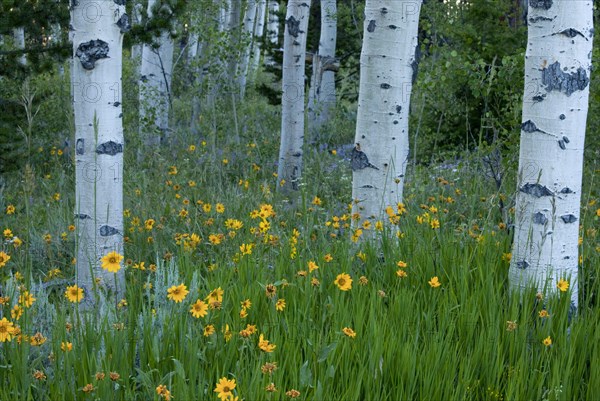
(90, 52)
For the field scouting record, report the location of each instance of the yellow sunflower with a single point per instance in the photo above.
(177, 293)
(199, 309)
(343, 281)
(112, 262)
(74, 293)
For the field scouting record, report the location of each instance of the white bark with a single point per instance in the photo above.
(386, 72)
(155, 87)
(234, 36)
(19, 39)
(224, 15)
(248, 37)
(292, 99)
(136, 50)
(97, 91)
(555, 104)
(273, 22)
(258, 34)
(321, 98)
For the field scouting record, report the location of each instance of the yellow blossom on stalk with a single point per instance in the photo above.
(401, 273)
(547, 341)
(199, 309)
(66, 346)
(379, 225)
(401, 264)
(349, 332)
(227, 334)
(312, 266)
(16, 241)
(366, 225)
(112, 262)
(173, 170)
(270, 290)
(149, 224)
(511, 325)
(317, 201)
(191, 148)
(343, 281)
(225, 161)
(10, 209)
(207, 207)
(264, 345)
(39, 375)
(434, 282)
(246, 249)
(315, 282)
(328, 258)
(16, 312)
(246, 304)
(26, 299)
(543, 313)
(114, 376)
(183, 213)
(280, 305)
(293, 393)
(4, 258)
(362, 280)
(269, 367)
(209, 330)
(356, 235)
(162, 391)
(434, 223)
(214, 239)
(271, 388)
(37, 339)
(362, 256)
(88, 388)
(177, 293)
(506, 257)
(7, 330)
(220, 208)
(224, 389)
(7, 233)
(562, 285)
(215, 295)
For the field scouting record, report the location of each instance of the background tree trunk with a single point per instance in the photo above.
(19, 38)
(248, 38)
(155, 88)
(258, 34)
(96, 90)
(292, 100)
(321, 98)
(273, 22)
(555, 104)
(387, 65)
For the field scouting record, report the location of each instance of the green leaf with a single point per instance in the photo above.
(306, 376)
(453, 53)
(179, 370)
(325, 351)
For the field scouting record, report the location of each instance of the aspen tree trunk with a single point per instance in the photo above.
(234, 36)
(19, 38)
(155, 88)
(555, 104)
(321, 98)
(387, 64)
(258, 34)
(292, 99)
(97, 34)
(248, 35)
(136, 50)
(273, 22)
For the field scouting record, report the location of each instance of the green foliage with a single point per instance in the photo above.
(465, 94)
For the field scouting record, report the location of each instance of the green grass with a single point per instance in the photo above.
(412, 341)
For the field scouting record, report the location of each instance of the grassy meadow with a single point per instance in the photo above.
(233, 293)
